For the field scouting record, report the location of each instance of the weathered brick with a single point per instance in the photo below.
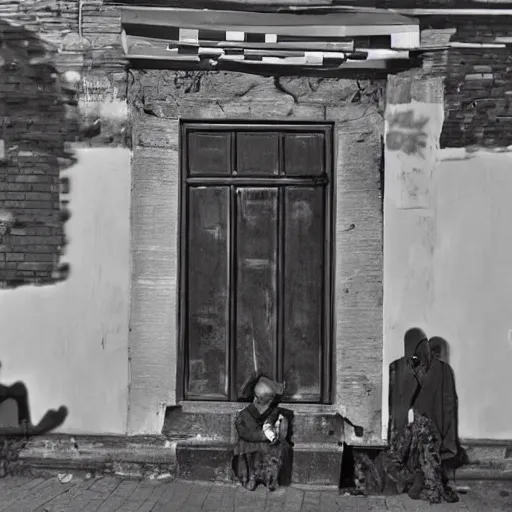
(39, 196)
(25, 273)
(43, 205)
(50, 249)
(15, 195)
(32, 265)
(40, 257)
(15, 256)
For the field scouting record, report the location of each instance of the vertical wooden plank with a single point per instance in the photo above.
(207, 291)
(281, 238)
(256, 281)
(303, 291)
(232, 283)
(329, 364)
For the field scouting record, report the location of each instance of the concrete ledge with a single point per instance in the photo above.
(121, 455)
(473, 472)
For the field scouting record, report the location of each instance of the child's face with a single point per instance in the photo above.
(263, 400)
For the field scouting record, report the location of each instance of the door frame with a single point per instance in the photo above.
(328, 334)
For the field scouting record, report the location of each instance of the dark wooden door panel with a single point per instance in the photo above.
(257, 153)
(303, 291)
(256, 310)
(256, 257)
(209, 153)
(304, 154)
(208, 298)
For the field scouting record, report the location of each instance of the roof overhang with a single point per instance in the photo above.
(258, 41)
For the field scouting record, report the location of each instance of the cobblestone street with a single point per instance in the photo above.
(109, 494)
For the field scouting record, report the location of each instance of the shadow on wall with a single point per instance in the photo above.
(16, 424)
(37, 119)
(440, 349)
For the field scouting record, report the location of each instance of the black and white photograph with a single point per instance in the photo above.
(255, 255)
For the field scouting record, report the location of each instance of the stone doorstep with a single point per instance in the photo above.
(313, 463)
(215, 421)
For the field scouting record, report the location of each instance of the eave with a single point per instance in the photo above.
(269, 43)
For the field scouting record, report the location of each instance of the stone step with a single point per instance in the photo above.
(480, 451)
(311, 464)
(311, 424)
(489, 460)
(472, 472)
(137, 456)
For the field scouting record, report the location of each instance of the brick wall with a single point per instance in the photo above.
(478, 86)
(33, 128)
(53, 84)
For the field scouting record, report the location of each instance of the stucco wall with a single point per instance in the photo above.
(68, 342)
(447, 253)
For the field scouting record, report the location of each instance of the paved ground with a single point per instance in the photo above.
(109, 494)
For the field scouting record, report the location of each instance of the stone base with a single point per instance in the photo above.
(159, 457)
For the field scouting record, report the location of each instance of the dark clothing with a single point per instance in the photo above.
(428, 386)
(403, 385)
(437, 399)
(410, 464)
(249, 426)
(255, 457)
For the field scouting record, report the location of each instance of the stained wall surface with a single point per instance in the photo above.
(447, 252)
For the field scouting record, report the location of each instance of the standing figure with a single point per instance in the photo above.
(262, 437)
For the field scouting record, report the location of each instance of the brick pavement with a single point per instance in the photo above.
(112, 494)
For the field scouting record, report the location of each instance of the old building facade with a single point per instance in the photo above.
(191, 189)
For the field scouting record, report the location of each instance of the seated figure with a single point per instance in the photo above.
(263, 431)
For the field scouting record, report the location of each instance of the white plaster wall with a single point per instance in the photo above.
(69, 342)
(448, 270)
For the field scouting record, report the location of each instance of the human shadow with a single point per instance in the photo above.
(440, 349)
(17, 427)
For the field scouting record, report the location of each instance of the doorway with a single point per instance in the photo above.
(256, 258)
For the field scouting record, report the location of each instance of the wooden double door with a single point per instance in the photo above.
(256, 258)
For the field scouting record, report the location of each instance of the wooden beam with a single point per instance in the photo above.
(291, 65)
(454, 12)
(333, 25)
(332, 9)
(456, 44)
(130, 41)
